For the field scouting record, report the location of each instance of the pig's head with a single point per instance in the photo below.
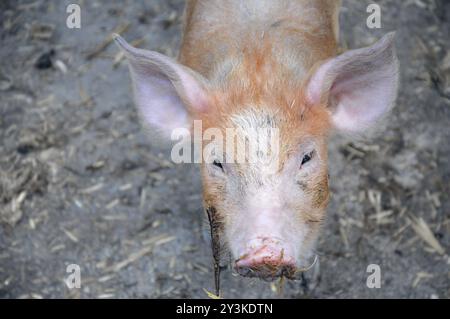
(269, 210)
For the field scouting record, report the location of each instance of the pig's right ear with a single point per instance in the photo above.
(167, 93)
(359, 86)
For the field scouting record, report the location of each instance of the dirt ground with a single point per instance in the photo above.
(81, 183)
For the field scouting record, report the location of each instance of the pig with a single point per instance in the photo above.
(246, 64)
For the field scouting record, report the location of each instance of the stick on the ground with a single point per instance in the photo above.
(215, 245)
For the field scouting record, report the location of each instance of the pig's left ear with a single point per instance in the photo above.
(167, 94)
(359, 86)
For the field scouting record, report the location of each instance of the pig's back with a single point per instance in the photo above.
(217, 30)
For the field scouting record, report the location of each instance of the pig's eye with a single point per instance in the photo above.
(307, 157)
(217, 164)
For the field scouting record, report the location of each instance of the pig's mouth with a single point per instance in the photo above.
(269, 262)
(271, 272)
(268, 271)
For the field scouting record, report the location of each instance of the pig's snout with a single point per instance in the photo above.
(266, 258)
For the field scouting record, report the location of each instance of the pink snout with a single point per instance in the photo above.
(267, 259)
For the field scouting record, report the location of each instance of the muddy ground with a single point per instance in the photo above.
(81, 183)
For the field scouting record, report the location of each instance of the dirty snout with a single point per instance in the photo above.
(266, 258)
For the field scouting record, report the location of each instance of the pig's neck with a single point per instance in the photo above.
(225, 40)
